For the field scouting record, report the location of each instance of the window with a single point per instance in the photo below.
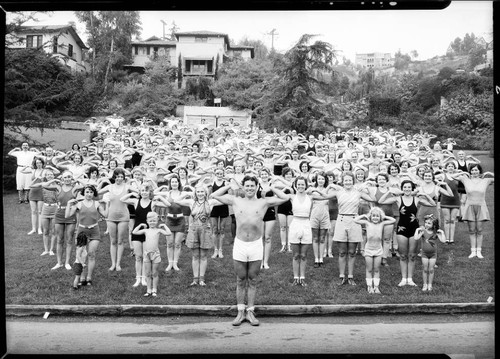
(148, 50)
(201, 39)
(70, 50)
(136, 50)
(34, 41)
(54, 45)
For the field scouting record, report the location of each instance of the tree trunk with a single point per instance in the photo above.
(109, 65)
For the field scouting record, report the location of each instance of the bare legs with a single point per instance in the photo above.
(92, 248)
(36, 221)
(268, 232)
(407, 252)
(284, 222)
(48, 230)
(347, 254)
(218, 232)
(246, 286)
(64, 234)
(319, 243)
(174, 244)
(139, 263)
(299, 262)
(476, 238)
(199, 264)
(450, 220)
(118, 233)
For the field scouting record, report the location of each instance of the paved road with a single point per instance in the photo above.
(461, 336)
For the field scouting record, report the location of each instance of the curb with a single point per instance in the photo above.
(262, 310)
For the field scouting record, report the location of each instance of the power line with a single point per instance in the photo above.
(272, 33)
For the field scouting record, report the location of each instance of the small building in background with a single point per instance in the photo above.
(198, 53)
(374, 60)
(210, 117)
(61, 41)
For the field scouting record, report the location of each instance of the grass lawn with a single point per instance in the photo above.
(29, 280)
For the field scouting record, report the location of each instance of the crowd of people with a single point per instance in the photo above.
(375, 192)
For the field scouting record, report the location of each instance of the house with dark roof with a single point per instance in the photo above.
(61, 41)
(197, 52)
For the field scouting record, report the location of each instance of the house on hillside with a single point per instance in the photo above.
(199, 52)
(151, 49)
(61, 41)
(374, 60)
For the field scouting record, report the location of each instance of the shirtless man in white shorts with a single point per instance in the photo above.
(249, 212)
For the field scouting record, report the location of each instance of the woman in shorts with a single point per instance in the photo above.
(300, 232)
(347, 232)
(199, 238)
(89, 211)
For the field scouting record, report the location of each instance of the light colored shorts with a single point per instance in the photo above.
(151, 257)
(23, 180)
(320, 218)
(346, 230)
(300, 231)
(248, 251)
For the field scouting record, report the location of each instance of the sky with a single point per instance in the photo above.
(350, 32)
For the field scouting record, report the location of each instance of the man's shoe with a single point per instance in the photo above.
(239, 318)
(342, 281)
(251, 318)
(351, 281)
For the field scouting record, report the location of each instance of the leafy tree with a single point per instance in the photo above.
(260, 49)
(476, 57)
(158, 72)
(239, 84)
(429, 93)
(414, 54)
(173, 29)
(291, 100)
(457, 45)
(37, 87)
(111, 34)
(445, 73)
(401, 61)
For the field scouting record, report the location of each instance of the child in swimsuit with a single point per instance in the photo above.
(151, 255)
(374, 221)
(429, 233)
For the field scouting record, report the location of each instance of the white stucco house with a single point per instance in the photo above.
(61, 41)
(197, 52)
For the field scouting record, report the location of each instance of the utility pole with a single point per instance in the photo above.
(164, 24)
(272, 33)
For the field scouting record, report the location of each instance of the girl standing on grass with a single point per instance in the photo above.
(264, 190)
(35, 194)
(199, 238)
(174, 220)
(475, 210)
(450, 205)
(300, 233)
(285, 213)
(375, 222)
(408, 223)
(49, 208)
(64, 226)
(429, 233)
(347, 232)
(382, 180)
(118, 217)
(89, 212)
(151, 251)
(219, 215)
(320, 219)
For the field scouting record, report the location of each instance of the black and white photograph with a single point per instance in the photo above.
(264, 180)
